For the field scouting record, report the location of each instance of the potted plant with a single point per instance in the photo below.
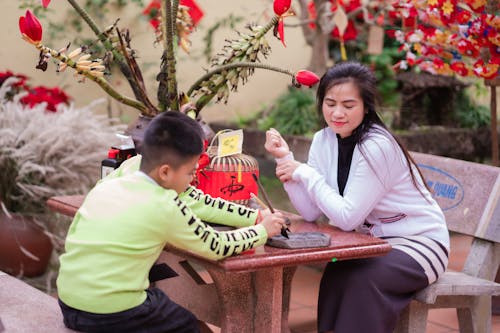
(231, 67)
(47, 148)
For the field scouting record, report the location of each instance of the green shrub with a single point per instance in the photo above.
(293, 113)
(469, 114)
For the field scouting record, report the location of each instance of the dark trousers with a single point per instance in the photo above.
(158, 314)
(367, 295)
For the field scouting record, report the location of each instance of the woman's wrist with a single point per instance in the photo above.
(288, 156)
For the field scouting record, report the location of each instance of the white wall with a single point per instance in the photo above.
(18, 56)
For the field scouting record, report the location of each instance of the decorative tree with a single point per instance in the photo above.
(454, 37)
(174, 24)
(341, 21)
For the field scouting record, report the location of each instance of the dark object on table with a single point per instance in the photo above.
(300, 240)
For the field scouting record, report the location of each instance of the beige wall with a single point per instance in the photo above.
(264, 86)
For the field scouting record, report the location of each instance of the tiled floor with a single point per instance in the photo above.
(305, 292)
(302, 316)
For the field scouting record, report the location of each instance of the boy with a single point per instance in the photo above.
(124, 223)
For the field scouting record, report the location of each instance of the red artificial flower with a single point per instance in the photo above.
(194, 10)
(391, 33)
(153, 11)
(463, 16)
(5, 75)
(281, 31)
(30, 28)
(468, 48)
(281, 6)
(476, 5)
(312, 14)
(41, 94)
(306, 78)
(460, 68)
(486, 71)
(349, 5)
(203, 162)
(45, 3)
(350, 33)
(438, 63)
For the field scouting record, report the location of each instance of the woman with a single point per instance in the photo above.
(362, 179)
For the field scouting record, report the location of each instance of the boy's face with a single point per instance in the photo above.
(178, 179)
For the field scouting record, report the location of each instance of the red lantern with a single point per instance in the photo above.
(230, 177)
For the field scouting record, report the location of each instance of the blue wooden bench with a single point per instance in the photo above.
(469, 194)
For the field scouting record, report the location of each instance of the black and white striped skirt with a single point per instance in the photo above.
(367, 295)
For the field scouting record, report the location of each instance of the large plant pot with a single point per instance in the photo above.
(136, 130)
(25, 249)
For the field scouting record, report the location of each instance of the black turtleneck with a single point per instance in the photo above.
(346, 149)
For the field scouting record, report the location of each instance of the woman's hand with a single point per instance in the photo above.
(285, 169)
(275, 144)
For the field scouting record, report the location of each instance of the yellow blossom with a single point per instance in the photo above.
(447, 8)
(418, 48)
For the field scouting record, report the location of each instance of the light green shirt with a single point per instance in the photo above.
(123, 225)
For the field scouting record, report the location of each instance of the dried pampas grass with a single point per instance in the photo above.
(44, 154)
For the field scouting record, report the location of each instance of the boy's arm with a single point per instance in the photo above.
(186, 231)
(217, 210)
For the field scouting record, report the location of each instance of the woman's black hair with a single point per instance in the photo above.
(170, 138)
(364, 79)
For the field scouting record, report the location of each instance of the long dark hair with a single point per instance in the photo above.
(364, 79)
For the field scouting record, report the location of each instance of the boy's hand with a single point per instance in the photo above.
(273, 224)
(275, 144)
(263, 214)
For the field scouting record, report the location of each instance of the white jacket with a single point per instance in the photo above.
(379, 190)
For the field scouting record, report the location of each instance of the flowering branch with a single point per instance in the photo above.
(92, 70)
(108, 45)
(173, 24)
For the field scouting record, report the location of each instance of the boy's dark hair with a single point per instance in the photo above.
(170, 138)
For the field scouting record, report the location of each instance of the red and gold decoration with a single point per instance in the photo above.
(348, 20)
(450, 37)
(228, 176)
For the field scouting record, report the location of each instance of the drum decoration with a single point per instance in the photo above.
(229, 177)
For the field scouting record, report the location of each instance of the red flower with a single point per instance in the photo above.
(350, 32)
(280, 27)
(281, 6)
(41, 94)
(463, 16)
(45, 3)
(30, 28)
(153, 11)
(460, 68)
(306, 78)
(194, 10)
(5, 75)
(203, 162)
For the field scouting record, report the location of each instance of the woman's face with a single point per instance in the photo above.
(343, 108)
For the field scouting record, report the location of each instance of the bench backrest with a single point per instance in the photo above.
(467, 192)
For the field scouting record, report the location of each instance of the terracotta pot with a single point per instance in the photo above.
(25, 249)
(137, 127)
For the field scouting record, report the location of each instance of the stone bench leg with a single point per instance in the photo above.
(413, 318)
